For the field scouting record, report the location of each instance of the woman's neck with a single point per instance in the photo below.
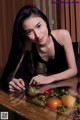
(47, 51)
(46, 46)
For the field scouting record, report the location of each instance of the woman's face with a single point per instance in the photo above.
(36, 29)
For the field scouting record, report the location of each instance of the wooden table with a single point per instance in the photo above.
(16, 105)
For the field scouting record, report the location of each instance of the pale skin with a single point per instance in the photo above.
(37, 32)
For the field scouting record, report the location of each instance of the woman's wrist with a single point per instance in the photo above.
(51, 78)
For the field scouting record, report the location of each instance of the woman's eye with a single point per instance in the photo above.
(38, 26)
(28, 32)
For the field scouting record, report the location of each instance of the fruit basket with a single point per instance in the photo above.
(60, 100)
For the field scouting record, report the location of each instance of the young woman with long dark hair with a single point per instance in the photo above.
(33, 45)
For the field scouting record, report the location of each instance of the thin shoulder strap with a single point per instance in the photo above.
(17, 67)
(28, 46)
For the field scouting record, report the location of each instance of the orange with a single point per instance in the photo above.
(54, 103)
(69, 101)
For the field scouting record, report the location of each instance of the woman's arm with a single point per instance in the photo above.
(71, 84)
(65, 40)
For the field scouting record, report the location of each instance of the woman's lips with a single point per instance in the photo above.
(41, 39)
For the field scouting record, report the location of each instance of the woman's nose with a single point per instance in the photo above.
(36, 32)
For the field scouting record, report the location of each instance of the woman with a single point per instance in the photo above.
(34, 44)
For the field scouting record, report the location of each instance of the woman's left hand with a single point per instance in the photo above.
(40, 79)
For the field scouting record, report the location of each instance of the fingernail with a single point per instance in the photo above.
(23, 88)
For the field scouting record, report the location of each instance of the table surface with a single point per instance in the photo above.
(18, 104)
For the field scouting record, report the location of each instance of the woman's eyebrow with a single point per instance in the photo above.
(38, 24)
(27, 30)
(31, 29)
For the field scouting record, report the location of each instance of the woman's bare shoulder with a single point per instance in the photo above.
(59, 32)
(60, 35)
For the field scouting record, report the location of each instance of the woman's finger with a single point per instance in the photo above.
(20, 84)
(33, 80)
(14, 85)
(11, 90)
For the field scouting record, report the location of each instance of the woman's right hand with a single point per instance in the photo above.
(16, 85)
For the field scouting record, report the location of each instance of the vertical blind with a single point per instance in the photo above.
(49, 10)
(69, 12)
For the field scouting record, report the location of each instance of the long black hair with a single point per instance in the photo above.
(19, 38)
